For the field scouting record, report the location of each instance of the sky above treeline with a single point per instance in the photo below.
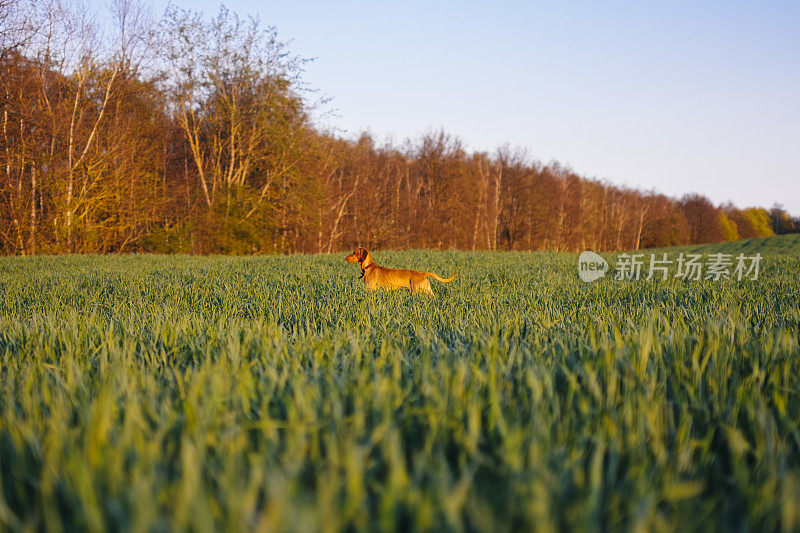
(673, 96)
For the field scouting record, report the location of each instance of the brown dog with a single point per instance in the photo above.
(391, 278)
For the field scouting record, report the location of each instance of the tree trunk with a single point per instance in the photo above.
(33, 210)
(479, 209)
(498, 177)
(19, 210)
(642, 213)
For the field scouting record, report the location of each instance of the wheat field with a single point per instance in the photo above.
(152, 393)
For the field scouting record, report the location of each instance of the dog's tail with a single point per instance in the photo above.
(434, 276)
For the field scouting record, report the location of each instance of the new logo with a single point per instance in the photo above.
(591, 266)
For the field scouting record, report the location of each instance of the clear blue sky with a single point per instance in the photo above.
(676, 97)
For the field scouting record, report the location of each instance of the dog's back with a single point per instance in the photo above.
(392, 278)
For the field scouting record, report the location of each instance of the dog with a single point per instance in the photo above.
(376, 277)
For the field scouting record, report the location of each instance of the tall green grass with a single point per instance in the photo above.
(152, 393)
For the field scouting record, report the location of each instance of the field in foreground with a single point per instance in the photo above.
(151, 393)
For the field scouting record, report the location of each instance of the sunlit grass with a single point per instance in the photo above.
(274, 392)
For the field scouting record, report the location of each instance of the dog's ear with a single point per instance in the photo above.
(361, 253)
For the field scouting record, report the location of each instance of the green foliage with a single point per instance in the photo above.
(169, 239)
(728, 227)
(149, 392)
(760, 220)
(769, 246)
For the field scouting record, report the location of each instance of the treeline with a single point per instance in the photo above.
(193, 135)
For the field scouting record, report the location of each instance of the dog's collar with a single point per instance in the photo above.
(364, 269)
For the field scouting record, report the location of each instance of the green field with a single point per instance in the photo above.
(154, 393)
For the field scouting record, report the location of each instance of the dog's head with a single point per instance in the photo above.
(358, 255)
